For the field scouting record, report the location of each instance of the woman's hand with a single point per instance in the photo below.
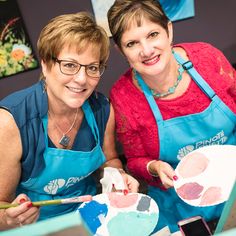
(164, 171)
(23, 214)
(130, 182)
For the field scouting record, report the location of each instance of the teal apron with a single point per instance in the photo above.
(67, 173)
(180, 135)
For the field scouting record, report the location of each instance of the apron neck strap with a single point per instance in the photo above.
(91, 120)
(188, 66)
(149, 97)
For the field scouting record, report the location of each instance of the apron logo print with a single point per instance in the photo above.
(184, 151)
(53, 186)
(219, 138)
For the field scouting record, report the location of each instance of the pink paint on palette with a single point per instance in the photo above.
(206, 175)
(122, 201)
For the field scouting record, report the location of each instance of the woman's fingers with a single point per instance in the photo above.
(131, 184)
(30, 216)
(166, 174)
(25, 213)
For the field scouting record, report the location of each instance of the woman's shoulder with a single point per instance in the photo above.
(195, 51)
(195, 46)
(213, 66)
(98, 100)
(16, 98)
(100, 104)
(26, 104)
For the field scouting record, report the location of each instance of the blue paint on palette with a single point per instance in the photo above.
(91, 212)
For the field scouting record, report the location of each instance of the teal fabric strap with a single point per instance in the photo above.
(188, 66)
(149, 97)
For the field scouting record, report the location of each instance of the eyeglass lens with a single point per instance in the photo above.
(72, 68)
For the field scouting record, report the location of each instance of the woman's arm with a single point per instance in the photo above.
(132, 143)
(10, 156)
(109, 149)
(109, 144)
(135, 143)
(10, 166)
(227, 71)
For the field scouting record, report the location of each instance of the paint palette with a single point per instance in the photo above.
(206, 175)
(115, 214)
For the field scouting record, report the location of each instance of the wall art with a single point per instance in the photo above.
(178, 9)
(175, 10)
(16, 54)
(100, 8)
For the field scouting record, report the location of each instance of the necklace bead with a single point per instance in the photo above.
(172, 89)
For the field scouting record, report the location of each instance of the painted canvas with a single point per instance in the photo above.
(16, 54)
(175, 10)
(100, 8)
(178, 9)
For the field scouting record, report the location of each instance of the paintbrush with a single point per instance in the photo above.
(84, 198)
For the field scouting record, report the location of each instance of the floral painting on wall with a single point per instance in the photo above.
(16, 54)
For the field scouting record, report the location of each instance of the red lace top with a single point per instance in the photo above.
(135, 124)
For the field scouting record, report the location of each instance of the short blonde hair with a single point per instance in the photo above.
(79, 29)
(124, 12)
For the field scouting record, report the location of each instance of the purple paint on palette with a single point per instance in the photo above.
(91, 212)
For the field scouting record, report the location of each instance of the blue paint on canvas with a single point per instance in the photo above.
(178, 9)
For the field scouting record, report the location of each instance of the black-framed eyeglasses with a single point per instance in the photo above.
(72, 68)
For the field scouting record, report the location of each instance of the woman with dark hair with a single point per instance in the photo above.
(172, 100)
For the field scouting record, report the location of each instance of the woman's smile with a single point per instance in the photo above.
(151, 61)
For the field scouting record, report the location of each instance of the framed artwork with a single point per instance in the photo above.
(178, 9)
(175, 10)
(16, 54)
(100, 8)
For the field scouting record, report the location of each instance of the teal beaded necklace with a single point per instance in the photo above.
(172, 89)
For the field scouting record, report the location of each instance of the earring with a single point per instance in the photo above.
(44, 84)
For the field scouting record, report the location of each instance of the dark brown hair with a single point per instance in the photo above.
(124, 12)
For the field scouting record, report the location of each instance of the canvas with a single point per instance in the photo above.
(178, 9)
(175, 10)
(16, 54)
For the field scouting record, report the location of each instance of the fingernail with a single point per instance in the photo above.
(125, 191)
(30, 204)
(175, 177)
(22, 200)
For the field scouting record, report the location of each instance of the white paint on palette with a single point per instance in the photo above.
(206, 182)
